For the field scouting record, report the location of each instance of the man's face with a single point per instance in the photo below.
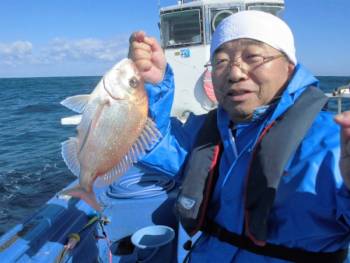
(247, 74)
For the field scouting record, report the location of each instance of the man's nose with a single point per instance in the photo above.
(237, 72)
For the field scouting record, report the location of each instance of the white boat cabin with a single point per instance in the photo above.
(186, 30)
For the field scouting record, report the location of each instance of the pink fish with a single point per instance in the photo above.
(113, 133)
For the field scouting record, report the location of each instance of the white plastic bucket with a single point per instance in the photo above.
(154, 244)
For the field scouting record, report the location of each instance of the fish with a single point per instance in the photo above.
(113, 131)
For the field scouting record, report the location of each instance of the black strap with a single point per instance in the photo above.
(277, 143)
(271, 250)
(199, 177)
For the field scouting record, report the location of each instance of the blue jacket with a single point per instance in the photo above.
(312, 205)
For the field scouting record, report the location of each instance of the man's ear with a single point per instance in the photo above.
(291, 68)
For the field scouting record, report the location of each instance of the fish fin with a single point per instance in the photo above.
(70, 155)
(91, 112)
(81, 193)
(76, 103)
(71, 120)
(150, 135)
(148, 138)
(114, 173)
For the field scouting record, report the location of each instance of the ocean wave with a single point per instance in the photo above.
(24, 190)
(37, 108)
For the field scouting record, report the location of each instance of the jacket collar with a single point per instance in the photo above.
(301, 79)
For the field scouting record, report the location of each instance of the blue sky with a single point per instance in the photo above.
(85, 37)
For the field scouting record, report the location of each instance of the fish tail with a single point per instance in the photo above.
(88, 196)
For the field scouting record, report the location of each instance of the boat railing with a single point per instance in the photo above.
(340, 93)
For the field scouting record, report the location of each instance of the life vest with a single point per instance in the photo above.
(275, 146)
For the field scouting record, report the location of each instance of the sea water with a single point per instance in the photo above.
(31, 166)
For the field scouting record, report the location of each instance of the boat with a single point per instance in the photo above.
(137, 222)
(342, 90)
(340, 93)
(185, 31)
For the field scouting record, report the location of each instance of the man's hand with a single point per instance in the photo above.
(344, 121)
(148, 56)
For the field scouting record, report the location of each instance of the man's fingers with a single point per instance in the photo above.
(139, 50)
(346, 133)
(141, 45)
(345, 150)
(143, 65)
(142, 54)
(343, 119)
(137, 36)
(153, 43)
(148, 56)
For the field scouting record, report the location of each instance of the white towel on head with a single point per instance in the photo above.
(255, 25)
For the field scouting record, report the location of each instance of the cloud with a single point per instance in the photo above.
(60, 50)
(16, 52)
(89, 49)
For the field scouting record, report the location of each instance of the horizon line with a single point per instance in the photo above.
(82, 76)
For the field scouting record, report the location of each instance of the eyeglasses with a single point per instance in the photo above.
(250, 62)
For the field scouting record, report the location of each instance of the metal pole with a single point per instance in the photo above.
(339, 104)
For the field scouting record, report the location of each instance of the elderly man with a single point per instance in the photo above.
(260, 175)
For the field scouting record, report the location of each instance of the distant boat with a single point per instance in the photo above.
(342, 90)
(340, 93)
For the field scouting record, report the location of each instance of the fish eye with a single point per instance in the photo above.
(133, 82)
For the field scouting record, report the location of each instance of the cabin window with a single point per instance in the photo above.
(217, 15)
(181, 28)
(269, 8)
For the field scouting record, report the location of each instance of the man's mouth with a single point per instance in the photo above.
(239, 95)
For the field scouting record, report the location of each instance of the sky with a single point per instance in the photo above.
(40, 38)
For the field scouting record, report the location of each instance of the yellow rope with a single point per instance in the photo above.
(75, 236)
